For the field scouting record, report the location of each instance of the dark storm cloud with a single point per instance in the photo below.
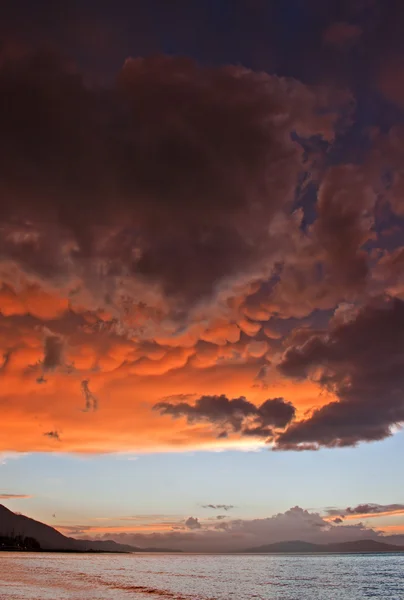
(258, 431)
(150, 195)
(176, 170)
(215, 409)
(338, 520)
(360, 359)
(341, 34)
(344, 224)
(237, 413)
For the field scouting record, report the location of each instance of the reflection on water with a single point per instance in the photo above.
(200, 577)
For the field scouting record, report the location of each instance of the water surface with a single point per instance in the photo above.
(200, 577)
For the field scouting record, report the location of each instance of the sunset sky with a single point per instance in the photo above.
(202, 269)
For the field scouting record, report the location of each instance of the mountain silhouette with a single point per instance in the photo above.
(299, 546)
(12, 524)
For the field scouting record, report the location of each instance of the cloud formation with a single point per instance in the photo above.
(187, 231)
(237, 414)
(192, 523)
(91, 400)
(294, 524)
(14, 496)
(161, 185)
(53, 352)
(341, 34)
(53, 435)
(360, 360)
(366, 510)
(373, 508)
(219, 507)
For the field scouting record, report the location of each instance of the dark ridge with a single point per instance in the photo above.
(299, 547)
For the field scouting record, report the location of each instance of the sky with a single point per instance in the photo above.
(201, 269)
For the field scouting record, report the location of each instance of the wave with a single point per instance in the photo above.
(152, 591)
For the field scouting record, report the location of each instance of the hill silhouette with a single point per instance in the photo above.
(15, 528)
(13, 525)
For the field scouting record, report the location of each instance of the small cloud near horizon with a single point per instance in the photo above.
(15, 496)
(219, 506)
(237, 534)
(366, 510)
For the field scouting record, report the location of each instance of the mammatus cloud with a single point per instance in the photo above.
(155, 198)
(237, 414)
(170, 231)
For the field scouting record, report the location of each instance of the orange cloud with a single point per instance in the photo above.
(14, 496)
(391, 529)
(126, 394)
(386, 513)
(128, 376)
(32, 300)
(361, 516)
(91, 530)
(158, 273)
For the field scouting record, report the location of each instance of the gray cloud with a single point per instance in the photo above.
(53, 352)
(90, 398)
(294, 524)
(373, 508)
(238, 414)
(6, 360)
(363, 509)
(219, 506)
(54, 435)
(192, 523)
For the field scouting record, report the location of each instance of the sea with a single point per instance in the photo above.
(25, 576)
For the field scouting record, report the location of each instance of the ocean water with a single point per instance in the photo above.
(200, 577)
